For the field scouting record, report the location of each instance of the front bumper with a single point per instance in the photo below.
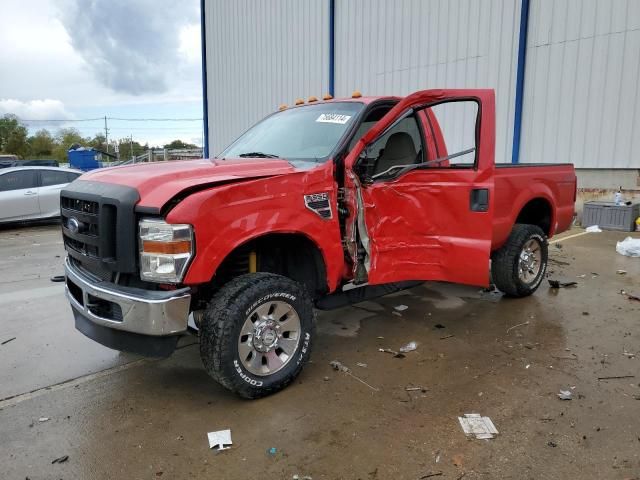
(128, 319)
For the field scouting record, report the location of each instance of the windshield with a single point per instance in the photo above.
(303, 133)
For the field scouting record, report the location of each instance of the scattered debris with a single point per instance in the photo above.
(60, 459)
(593, 229)
(415, 389)
(559, 246)
(272, 451)
(298, 477)
(621, 272)
(361, 365)
(7, 341)
(429, 475)
(447, 336)
(559, 284)
(552, 444)
(219, 439)
(630, 296)
(439, 325)
(616, 377)
(518, 325)
(457, 460)
(43, 419)
(565, 395)
(336, 365)
(326, 379)
(629, 247)
(573, 356)
(477, 425)
(409, 347)
(393, 352)
(581, 276)
(57, 278)
(400, 308)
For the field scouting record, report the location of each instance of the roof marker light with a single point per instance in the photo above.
(299, 101)
(312, 99)
(282, 107)
(356, 94)
(327, 96)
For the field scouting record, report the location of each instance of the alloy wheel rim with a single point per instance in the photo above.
(530, 261)
(269, 338)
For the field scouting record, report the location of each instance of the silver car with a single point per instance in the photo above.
(32, 193)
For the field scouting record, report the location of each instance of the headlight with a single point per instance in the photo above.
(165, 250)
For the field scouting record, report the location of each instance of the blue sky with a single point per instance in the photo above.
(77, 59)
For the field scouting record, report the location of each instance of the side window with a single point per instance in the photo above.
(401, 145)
(18, 180)
(56, 177)
(53, 177)
(71, 176)
(453, 127)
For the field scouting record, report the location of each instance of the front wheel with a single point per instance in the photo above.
(256, 334)
(519, 266)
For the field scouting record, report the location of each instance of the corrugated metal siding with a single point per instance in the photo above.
(394, 48)
(581, 102)
(261, 53)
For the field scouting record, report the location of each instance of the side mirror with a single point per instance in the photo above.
(364, 166)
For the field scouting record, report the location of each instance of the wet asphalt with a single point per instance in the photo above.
(120, 416)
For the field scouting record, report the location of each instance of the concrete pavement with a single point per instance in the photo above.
(117, 416)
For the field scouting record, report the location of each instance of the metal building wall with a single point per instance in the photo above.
(581, 102)
(396, 47)
(261, 53)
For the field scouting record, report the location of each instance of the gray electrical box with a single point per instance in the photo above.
(609, 216)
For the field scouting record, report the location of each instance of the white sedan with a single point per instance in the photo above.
(32, 193)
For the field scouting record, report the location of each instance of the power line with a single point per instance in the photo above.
(120, 119)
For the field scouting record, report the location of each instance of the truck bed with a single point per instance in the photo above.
(517, 184)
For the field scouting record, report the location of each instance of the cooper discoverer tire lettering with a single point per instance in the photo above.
(257, 334)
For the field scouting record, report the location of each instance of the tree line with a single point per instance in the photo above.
(15, 140)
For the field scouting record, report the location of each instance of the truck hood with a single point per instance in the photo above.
(159, 182)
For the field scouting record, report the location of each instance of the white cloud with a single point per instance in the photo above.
(46, 109)
(190, 43)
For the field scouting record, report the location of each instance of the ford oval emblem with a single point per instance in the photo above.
(73, 225)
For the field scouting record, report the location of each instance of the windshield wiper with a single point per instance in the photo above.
(258, 155)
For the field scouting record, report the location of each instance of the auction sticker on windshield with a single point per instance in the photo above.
(333, 118)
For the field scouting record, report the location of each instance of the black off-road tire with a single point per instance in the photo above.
(223, 321)
(504, 262)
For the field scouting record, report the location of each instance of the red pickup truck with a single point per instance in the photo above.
(317, 206)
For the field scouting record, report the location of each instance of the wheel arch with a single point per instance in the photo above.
(538, 211)
(292, 254)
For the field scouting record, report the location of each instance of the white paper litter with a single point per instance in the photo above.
(43, 419)
(219, 439)
(400, 308)
(565, 395)
(629, 247)
(481, 427)
(409, 347)
(593, 229)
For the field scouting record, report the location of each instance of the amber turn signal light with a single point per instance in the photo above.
(168, 248)
(299, 101)
(356, 94)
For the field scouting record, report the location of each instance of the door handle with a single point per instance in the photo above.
(30, 192)
(479, 200)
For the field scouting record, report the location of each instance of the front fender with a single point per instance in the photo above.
(227, 217)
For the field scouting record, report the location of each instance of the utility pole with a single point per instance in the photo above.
(131, 145)
(106, 133)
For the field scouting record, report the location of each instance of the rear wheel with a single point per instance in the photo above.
(519, 266)
(256, 334)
